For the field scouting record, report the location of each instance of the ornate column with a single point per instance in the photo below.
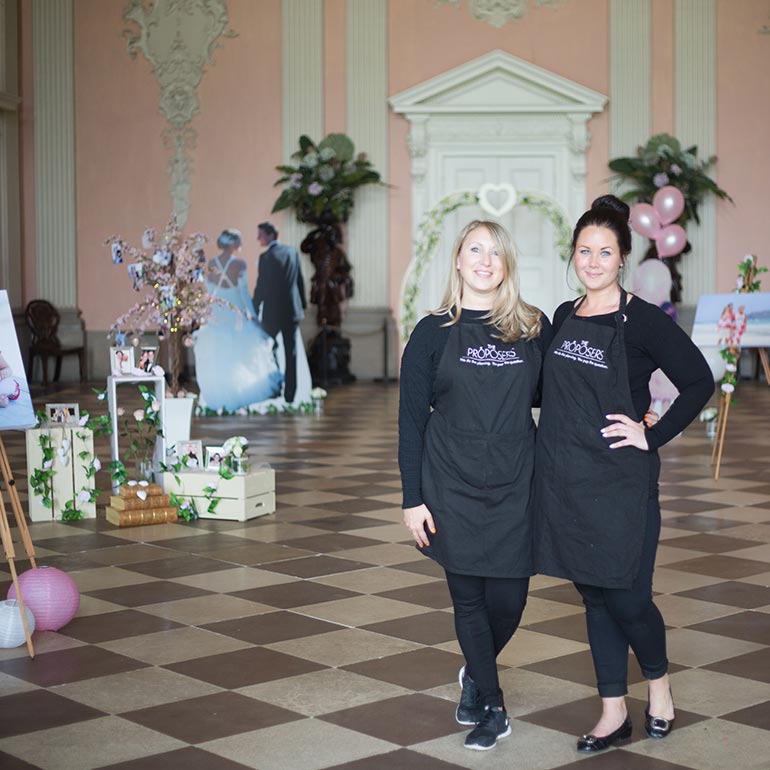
(10, 224)
(695, 71)
(302, 90)
(367, 93)
(54, 136)
(630, 88)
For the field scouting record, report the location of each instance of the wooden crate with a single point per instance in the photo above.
(69, 478)
(240, 498)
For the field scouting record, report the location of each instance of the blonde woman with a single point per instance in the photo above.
(469, 377)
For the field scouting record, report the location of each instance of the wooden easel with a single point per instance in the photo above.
(5, 536)
(724, 408)
(724, 401)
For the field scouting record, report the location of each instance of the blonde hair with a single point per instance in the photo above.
(510, 314)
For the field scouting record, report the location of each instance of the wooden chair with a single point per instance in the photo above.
(42, 320)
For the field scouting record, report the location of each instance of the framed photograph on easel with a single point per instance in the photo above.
(16, 411)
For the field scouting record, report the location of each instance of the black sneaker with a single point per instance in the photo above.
(493, 725)
(469, 709)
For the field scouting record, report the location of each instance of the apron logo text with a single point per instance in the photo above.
(581, 351)
(489, 355)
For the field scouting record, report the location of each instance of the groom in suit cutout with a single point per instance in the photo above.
(281, 292)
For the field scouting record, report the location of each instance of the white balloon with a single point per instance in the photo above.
(714, 359)
(652, 282)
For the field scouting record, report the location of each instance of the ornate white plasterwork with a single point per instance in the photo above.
(493, 102)
(178, 38)
(499, 12)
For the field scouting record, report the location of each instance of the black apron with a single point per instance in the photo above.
(479, 453)
(589, 501)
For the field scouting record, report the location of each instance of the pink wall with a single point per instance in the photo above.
(662, 77)
(425, 41)
(335, 105)
(122, 184)
(743, 117)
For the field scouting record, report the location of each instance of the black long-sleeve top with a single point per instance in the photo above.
(654, 341)
(419, 365)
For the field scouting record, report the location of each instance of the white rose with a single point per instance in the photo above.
(730, 367)
(121, 411)
(727, 387)
(96, 464)
(155, 406)
(139, 415)
(84, 496)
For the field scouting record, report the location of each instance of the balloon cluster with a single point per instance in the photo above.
(655, 221)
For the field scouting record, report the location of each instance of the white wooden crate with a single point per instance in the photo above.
(69, 479)
(240, 498)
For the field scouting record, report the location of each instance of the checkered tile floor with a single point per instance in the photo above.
(318, 637)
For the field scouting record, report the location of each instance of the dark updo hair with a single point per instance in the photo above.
(610, 212)
(229, 237)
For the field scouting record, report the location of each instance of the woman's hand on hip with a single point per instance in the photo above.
(630, 432)
(416, 519)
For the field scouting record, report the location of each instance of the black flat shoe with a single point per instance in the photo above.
(592, 743)
(657, 727)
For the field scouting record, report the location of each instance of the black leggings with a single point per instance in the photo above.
(487, 613)
(618, 617)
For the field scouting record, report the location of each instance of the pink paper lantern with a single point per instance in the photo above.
(51, 594)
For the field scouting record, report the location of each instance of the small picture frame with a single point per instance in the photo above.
(62, 414)
(167, 297)
(148, 357)
(190, 454)
(122, 360)
(214, 457)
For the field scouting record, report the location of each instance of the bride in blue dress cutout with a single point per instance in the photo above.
(234, 362)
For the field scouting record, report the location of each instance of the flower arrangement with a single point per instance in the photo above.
(235, 454)
(176, 303)
(320, 186)
(709, 414)
(142, 430)
(662, 162)
(746, 283)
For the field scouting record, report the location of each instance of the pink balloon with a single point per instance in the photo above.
(669, 203)
(652, 281)
(645, 220)
(671, 240)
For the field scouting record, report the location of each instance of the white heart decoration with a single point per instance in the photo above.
(144, 483)
(141, 494)
(508, 203)
(65, 445)
(63, 456)
(131, 483)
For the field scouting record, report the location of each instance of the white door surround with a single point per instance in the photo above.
(495, 119)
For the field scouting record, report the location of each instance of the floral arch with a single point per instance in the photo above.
(431, 227)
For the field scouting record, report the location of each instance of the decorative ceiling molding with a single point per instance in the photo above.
(499, 12)
(178, 39)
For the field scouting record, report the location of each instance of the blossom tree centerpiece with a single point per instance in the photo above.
(170, 273)
(320, 189)
(663, 163)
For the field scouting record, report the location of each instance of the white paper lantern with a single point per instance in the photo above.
(11, 626)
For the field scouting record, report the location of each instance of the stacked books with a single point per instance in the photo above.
(135, 505)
